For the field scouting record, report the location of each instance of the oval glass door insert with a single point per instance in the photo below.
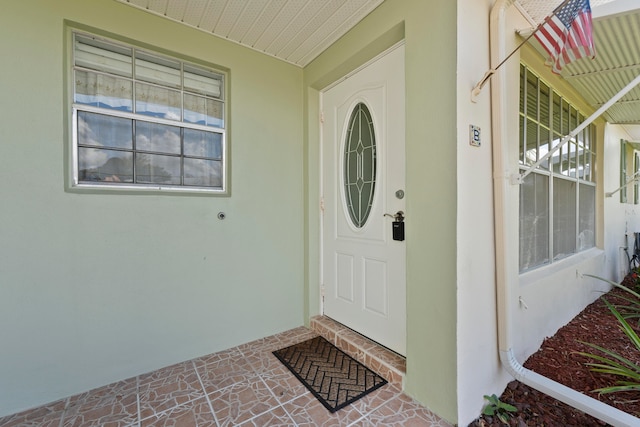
(359, 165)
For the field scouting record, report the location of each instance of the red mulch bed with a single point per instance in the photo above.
(557, 359)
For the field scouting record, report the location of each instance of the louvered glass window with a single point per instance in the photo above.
(360, 165)
(145, 120)
(557, 200)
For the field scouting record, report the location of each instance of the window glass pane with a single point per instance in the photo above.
(98, 165)
(545, 142)
(202, 81)
(203, 173)
(558, 156)
(545, 116)
(103, 91)
(587, 224)
(156, 69)
(532, 96)
(593, 169)
(203, 111)
(636, 172)
(573, 119)
(102, 56)
(523, 152)
(198, 143)
(623, 171)
(564, 218)
(522, 87)
(531, 142)
(557, 113)
(569, 163)
(158, 102)
(587, 171)
(534, 221)
(580, 154)
(565, 119)
(104, 131)
(156, 169)
(157, 137)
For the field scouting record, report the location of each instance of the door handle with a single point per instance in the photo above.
(399, 216)
(397, 226)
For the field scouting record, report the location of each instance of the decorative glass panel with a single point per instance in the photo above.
(360, 165)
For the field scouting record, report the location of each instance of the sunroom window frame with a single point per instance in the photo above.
(216, 72)
(548, 169)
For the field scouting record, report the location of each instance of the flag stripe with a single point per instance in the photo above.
(567, 35)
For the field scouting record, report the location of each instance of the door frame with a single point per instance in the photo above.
(321, 169)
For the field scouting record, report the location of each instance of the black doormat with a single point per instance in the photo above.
(333, 377)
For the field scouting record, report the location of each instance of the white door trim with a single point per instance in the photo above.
(323, 173)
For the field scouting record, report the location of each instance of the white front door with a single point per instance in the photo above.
(363, 168)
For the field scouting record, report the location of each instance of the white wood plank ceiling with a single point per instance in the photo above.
(295, 31)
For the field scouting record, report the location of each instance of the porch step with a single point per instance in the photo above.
(386, 363)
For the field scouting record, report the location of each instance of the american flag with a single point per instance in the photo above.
(567, 35)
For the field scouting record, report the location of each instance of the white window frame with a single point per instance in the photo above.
(572, 168)
(213, 126)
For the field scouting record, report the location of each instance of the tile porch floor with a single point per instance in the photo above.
(241, 386)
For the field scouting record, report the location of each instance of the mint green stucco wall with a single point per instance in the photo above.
(429, 30)
(96, 288)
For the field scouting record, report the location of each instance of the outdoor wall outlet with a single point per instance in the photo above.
(474, 136)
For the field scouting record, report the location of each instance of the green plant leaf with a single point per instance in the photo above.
(489, 410)
(622, 361)
(628, 330)
(503, 417)
(617, 285)
(507, 407)
(612, 363)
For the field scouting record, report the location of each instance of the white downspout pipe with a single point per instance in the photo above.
(504, 280)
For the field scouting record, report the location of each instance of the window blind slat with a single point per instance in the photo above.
(102, 60)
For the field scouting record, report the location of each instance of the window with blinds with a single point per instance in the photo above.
(144, 120)
(558, 199)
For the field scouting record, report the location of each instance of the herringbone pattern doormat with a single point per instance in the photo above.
(333, 377)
